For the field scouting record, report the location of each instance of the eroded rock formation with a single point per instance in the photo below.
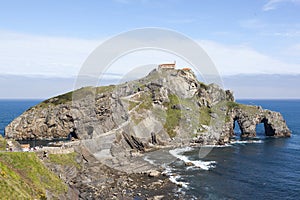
(167, 107)
(248, 117)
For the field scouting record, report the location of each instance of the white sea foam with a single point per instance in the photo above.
(167, 171)
(246, 141)
(217, 146)
(191, 168)
(205, 165)
(180, 150)
(174, 179)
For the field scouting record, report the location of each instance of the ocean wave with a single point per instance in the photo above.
(174, 179)
(205, 165)
(217, 146)
(246, 141)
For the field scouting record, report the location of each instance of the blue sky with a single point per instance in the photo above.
(53, 38)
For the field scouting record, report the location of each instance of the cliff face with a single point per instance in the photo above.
(167, 107)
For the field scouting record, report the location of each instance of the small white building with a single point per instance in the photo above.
(167, 66)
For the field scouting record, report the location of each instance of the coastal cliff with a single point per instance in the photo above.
(168, 107)
(115, 124)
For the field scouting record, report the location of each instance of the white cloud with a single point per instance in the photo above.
(25, 54)
(273, 4)
(295, 33)
(292, 51)
(235, 59)
(284, 33)
(22, 54)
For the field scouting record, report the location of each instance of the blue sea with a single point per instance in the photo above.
(10, 109)
(266, 168)
(263, 168)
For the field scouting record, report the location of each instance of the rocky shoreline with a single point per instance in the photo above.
(94, 180)
(116, 124)
(91, 179)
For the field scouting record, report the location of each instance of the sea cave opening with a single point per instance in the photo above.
(267, 128)
(260, 130)
(72, 136)
(237, 129)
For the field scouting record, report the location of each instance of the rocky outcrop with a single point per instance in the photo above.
(167, 107)
(89, 179)
(42, 123)
(248, 117)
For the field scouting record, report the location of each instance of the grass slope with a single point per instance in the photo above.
(65, 159)
(173, 115)
(23, 176)
(2, 143)
(77, 94)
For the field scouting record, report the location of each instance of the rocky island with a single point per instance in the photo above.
(114, 125)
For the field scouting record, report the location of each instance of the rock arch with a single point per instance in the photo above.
(249, 116)
(236, 121)
(269, 130)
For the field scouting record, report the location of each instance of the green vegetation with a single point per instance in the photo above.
(136, 119)
(104, 89)
(2, 143)
(23, 176)
(132, 105)
(139, 86)
(146, 102)
(65, 159)
(78, 94)
(203, 85)
(251, 110)
(231, 104)
(205, 115)
(173, 115)
(64, 98)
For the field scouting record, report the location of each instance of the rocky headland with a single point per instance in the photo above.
(116, 124)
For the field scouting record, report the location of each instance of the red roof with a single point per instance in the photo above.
(167, 64)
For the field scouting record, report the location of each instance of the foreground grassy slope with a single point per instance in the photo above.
(65, 159)
(23, 176)
(2, 143)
